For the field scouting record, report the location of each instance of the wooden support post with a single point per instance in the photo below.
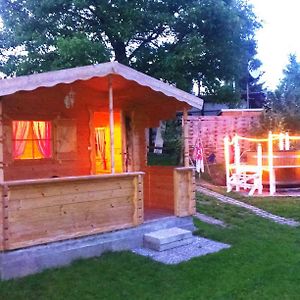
(4, 192)
(138, 201)
(271, 165)
(237, 162)
(192, 192)
(227, 162)
(1, 145)
(186, 138)
(124, 143)
(287, 141)
(111, 125)
(5, 231)
(260, 170)
(92, 143)
(184, 192)
(281, 141)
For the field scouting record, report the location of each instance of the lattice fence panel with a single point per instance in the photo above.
(211, 130)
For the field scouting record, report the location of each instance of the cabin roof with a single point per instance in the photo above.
(66, 76)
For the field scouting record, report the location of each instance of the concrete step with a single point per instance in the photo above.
(165, 239)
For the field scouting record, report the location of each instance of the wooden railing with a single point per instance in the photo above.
(40, 211)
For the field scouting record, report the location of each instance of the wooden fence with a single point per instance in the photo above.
(211, 130)
(42, 211)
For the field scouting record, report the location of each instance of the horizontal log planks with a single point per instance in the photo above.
(170, 188)
(184, 192)
(159, 186)
(3, 218)
(51, 210)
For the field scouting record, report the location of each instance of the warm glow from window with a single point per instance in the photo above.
(32, 139)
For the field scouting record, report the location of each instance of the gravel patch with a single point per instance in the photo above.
(199, 247)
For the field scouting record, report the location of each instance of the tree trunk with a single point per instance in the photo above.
(120, 52)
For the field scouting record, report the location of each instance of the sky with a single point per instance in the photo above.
(279, 36)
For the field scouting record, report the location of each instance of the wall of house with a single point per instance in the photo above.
(184, 192)
(159, 188)
(2, 218)
(48, 105)
(51, 210)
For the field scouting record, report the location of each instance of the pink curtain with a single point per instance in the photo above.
(42, 131)
(20, 133)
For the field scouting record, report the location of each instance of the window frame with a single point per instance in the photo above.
(34, 141)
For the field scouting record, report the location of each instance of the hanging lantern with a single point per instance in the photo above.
(69, 99)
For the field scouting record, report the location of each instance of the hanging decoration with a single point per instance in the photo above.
(199, 158)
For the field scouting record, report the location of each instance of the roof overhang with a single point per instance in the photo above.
(49, 79)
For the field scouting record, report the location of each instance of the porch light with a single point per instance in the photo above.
(69, 99)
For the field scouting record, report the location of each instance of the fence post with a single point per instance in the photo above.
(227, 161)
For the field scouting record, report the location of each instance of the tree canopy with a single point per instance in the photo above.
(283, 105)
(184, 41)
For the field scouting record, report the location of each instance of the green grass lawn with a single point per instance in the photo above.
(263, 263)
(283, 206)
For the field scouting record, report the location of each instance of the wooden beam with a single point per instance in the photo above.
(5, 221)
(1, 145)
(111, 125)
(186, 138)
(272, 180)
(92, 143)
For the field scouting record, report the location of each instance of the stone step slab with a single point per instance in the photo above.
(168, 246)
(164, 239)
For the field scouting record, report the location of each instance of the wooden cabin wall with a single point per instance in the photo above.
(159, 188)
(139, 150)
(2, 218)
(184, 191)
(48, 104)
(58, 209)
(158, 180)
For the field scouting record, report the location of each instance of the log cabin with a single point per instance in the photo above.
(74, 158)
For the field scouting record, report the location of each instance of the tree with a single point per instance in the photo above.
(283, 107)
(182, 41)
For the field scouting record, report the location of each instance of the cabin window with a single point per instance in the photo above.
(32, 139)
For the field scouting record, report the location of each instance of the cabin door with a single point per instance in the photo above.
(102, 143)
